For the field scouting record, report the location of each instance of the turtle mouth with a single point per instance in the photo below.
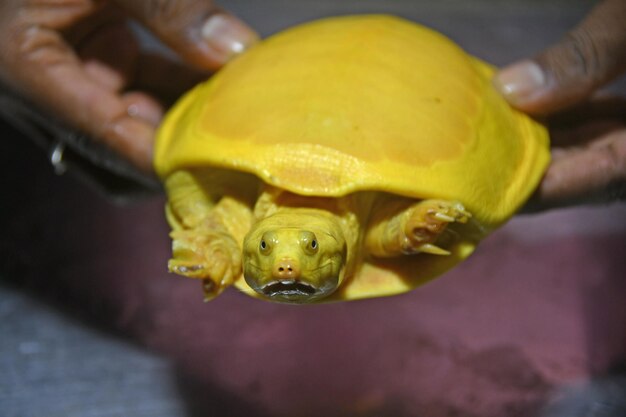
(290, 289)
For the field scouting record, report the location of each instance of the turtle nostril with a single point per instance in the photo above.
(286, 268)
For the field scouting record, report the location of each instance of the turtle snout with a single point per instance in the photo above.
(286, 268)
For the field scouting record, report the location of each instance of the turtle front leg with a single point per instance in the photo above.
(206, 254)
(205, 233)
(400, 228)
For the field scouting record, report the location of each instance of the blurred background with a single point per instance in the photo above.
(91, 324)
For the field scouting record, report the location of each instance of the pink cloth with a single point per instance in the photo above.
(540, 304)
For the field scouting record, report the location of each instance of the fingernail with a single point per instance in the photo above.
(140, 106)
(227, 35)
(520, 82)
(147, 113)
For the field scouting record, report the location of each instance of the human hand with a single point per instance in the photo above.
(80, 61)
(588, 130)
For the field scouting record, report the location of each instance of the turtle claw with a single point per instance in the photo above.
(209, 290)
(448, 212)
(443, 217)
(192, 271)
(433, 250)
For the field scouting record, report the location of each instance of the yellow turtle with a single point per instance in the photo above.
(345, 158)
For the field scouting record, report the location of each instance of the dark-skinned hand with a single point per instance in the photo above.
(79, 60)
(588, 128)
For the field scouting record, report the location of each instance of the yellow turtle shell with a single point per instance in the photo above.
(356, 103)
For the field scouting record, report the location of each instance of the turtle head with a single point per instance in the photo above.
(295, 256)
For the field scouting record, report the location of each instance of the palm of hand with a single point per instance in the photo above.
(80, 61)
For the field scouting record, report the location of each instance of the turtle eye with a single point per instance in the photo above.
(264, 247)
(308, 242)
(312, 246)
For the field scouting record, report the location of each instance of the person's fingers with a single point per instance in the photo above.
(591, 55)
(198, 30)
(596, 172)
(598, 107)
(588, 121)
(92, 38)
(164, 78)
(36, 60)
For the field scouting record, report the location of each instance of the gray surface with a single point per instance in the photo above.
(52, 365)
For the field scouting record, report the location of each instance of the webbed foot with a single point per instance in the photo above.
(426, 221)
(211, 256)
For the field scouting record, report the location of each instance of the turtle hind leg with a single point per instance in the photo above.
(403, 228)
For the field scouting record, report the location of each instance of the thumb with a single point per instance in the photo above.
(591, 55)
(199, 31)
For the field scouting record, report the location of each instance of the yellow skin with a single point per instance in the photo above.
(295, 255)
(297, 249)
(370, 129)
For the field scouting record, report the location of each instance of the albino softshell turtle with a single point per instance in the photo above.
(345, 158)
